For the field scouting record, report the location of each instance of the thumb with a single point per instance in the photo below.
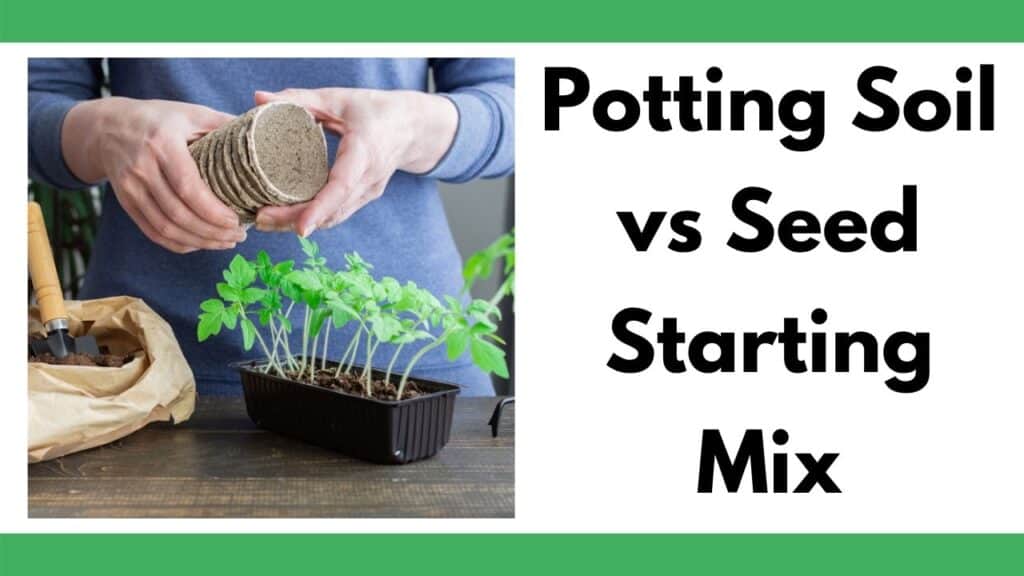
(323, 104)
(207, 119)
(314, 99)
(261, 97)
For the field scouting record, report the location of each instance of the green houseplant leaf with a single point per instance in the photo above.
(209, 325)
(488, 357)
(248, 334)
(258, 297)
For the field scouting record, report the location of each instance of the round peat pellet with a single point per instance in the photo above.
(230, 177)
(288, 152)
(218, 180)
(239, 157)
(201, 153)
(273, 155)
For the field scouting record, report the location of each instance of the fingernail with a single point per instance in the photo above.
(268, 227)
(307, 231)
(264, 224)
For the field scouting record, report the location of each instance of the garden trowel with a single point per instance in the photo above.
(50, 295)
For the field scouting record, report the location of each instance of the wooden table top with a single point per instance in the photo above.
(219, 464)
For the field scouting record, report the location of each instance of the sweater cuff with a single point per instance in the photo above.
(476, 137)
(47, 158)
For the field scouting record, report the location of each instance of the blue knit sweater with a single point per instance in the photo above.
(404, 234)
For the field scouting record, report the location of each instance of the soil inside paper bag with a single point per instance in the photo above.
(103, 360)
(76, 359)
(76, 407)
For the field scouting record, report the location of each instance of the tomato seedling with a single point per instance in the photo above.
(259, 296)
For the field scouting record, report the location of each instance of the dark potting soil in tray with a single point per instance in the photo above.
(351, 384)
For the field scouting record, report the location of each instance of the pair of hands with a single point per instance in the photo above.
(141, 147)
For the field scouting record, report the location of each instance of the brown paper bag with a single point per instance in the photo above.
(73, 408)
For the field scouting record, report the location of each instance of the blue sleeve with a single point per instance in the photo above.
(54, 86)
(482, 91)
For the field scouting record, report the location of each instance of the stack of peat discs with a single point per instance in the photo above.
(273, 155)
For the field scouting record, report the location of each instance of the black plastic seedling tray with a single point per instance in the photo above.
(383, 431)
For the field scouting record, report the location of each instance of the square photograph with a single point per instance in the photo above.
(266, 287)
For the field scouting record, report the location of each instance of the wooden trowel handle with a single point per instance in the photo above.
(42, 269)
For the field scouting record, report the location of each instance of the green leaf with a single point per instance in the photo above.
(488, 357)
(317, 321)
(481, 328)
(341, 312)
(453, 304)
(450, 321)
(285, 267)
(303, 286)
(386, 327)
(264, 267)
(263, 259)
(456, 343)
(248, 334)
(407, 302)
(229, 316)
(290, 289)
(481, 264)
(362, 286)
(305, 279)
(339, 318)
(209, 325)
(252, 295)
(494, 337)
(370, 309)
(242, 272)
(271, 299)
(392, 289)
(309, 247)
(477, 266)
(228, 292)
(212, 305)
(312, 298)
(429, 299)
(356, 262)
(482, 309)
(509, 285)
(408, 337)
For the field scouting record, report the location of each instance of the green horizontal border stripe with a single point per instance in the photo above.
(492, 555)
(517, 21)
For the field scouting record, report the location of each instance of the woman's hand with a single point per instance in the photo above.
(141, 147)
(381, 132)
